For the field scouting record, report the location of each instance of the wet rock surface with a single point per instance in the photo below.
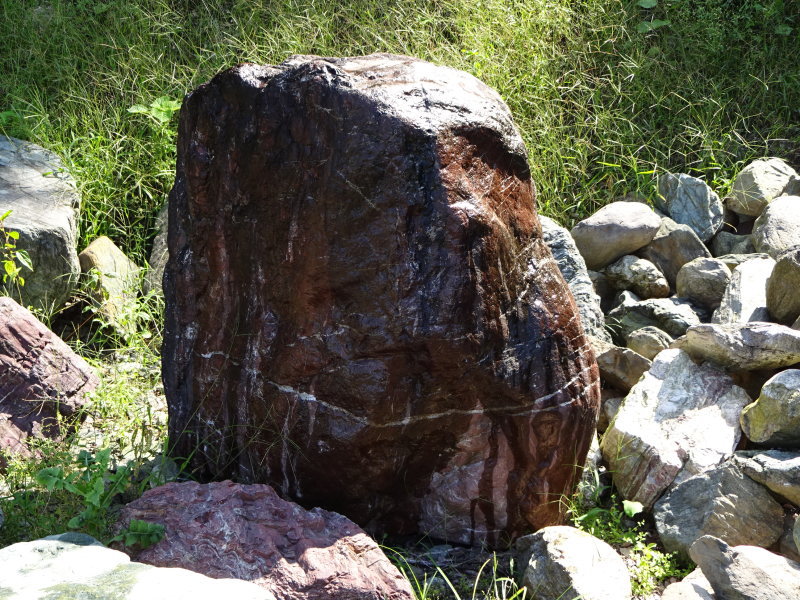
(43, 383)
(247, 532)
(394, 331)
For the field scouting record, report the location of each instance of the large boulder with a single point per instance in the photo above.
(723, 502)
(227, 529)
(778, 228)
(690, 201)
(78, 566)
(680, 419)
(745, 297)
(774, 418)
(44, 205)
(564, 563)
(573, 268)
(358, 291)
(743, 347)
(617, 229)
(758, 184)
(746, 572)
(43, 383)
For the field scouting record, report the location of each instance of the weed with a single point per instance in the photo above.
(12, 259)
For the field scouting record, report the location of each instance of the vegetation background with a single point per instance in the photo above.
(606, 93)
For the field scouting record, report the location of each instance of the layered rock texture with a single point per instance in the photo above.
(360, 307)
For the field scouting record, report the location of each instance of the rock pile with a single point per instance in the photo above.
(706, 289)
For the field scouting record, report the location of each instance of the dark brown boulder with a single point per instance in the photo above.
(360, 307)
(41, 379)
(230, 530)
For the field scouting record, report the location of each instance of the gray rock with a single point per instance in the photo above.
(564, 563)
(78, 567)
(786, 545)
(726, 242)
(703, 280)
(112, 279)
(159, 255)
(573, 268)
(775, 469)
(619, 367)
(758, 184)
(638, 275)
(45, 205)
(774, 419)
(745, 297)
(743, 347)
(617, 229)
(783, 299)
(648, 341)
(673, 315)
(609, 407)
(722, 502)
(746, 572)
(672, 247)
(680, 419)
(778, 228)
(689, 201)
(694, 586)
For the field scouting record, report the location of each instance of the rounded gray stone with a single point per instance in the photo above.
(783, 288)
(648, 341)
(704, 280)
(617, 229)
(690, 201)
(774, 419)
(638, 275)
(758, 184)
(778, 228)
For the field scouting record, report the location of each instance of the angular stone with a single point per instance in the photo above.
(689, 201)
(774, 419)
(783, 299)
(680, 419)
(672, 315)
(573, 268)
(77, 566)
(638, 275)
(743, 347)
(694, 586)
(43, 383)
(730, 243)
(672, 247)
(734, 260)
(778, 228)
(722, 502)
(703, 280)
(648, 341)
(619, 367)
(746, 572)
(777, 470)
(564, 563)
(158, 255)
(112, 278)
(758, 184)
(611, 401)
(617, 229)
(294, 553)
(404, 328)
(745, 297)
(45, 205)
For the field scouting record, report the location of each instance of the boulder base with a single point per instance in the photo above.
(360, 309)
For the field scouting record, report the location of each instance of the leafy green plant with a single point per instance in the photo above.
(12, 259)
(652, 566)
(160, 110)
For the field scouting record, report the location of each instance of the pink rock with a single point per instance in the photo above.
(40, 378)
(226, 529)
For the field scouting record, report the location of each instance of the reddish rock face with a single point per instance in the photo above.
(247, 532)
(360, 307)
(40, 379)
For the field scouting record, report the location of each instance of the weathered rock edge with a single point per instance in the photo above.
(366, 315)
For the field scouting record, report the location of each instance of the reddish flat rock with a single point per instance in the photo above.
(40, 378)
(247, 532)
(361, 310)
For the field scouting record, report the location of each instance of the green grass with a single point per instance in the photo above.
(600, 105)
